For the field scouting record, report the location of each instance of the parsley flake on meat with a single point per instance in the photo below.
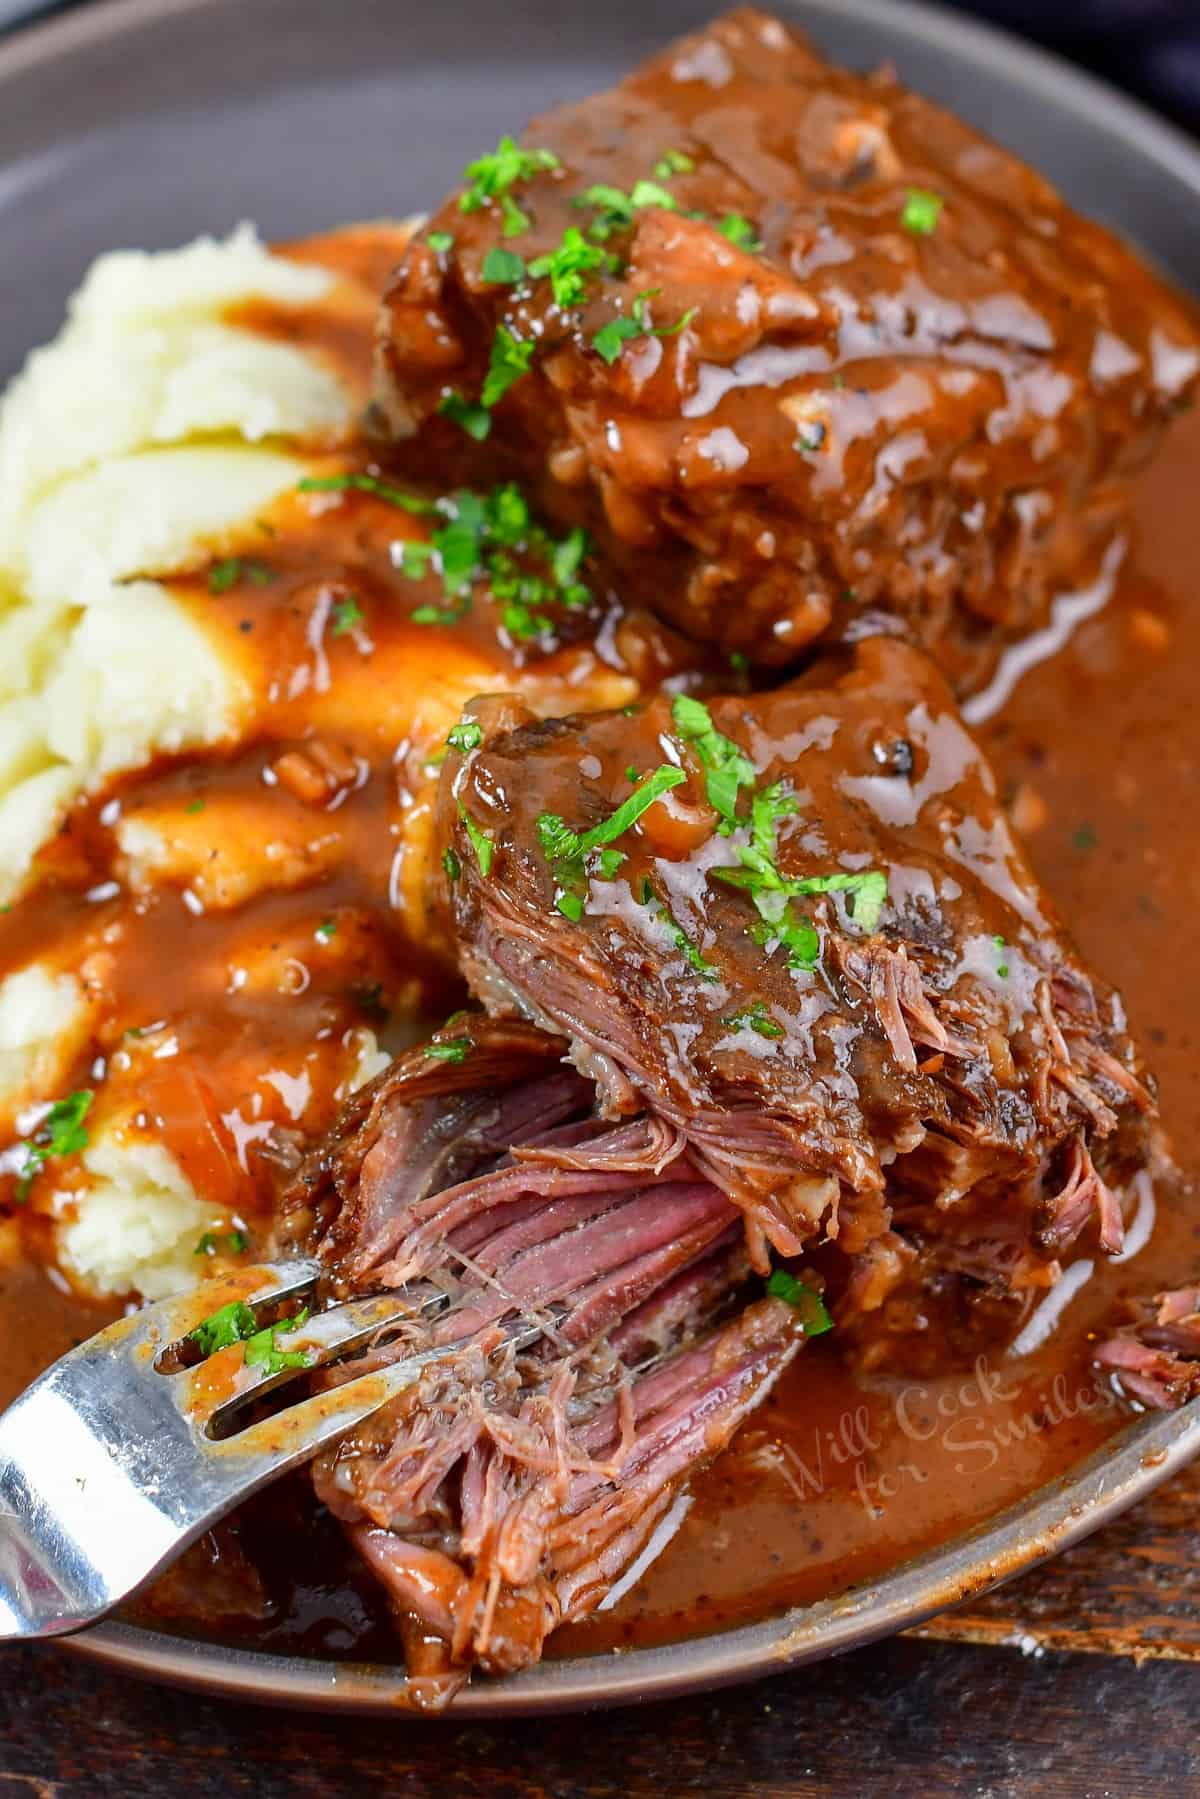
(493, 174)
(740, 232)
(727, 768)
(576, 856)
(466, 735)
(503, 268)
(611, 337)
(673, 162)
(474, 419)
(568, 267)
(480, 842)
(511, 358)
(810, 1306)
(922, 210)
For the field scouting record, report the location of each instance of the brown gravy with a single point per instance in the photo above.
(834, 1480)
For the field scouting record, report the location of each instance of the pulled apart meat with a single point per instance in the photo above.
(811, 348)
(1156, 1355)
(931, 1081)
(510, 1489)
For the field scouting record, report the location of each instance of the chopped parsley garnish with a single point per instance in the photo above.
(263, 1351)
(810, 1306)
(503, 268)
(772, 893)
(478, 540)
(922, 210)
(727, 768)
(326, 931)
(615, 208)
(357, 483)
(211, 1243)
(868, 892)
(466, 735)
(739, 662)
(515, 218)
(511, 358)
(673, 162)
(439, 242)
(234, 1323)
(576, 856)
(479, 840)
(194, 806)
(610, 338)
(347, 616)
(231, 571)
(1001, 964)
(1084, 838)
(523, 624)
(61, 1133)
(738, 229)
(565, 559)
(474, 419)
(451, 864)
(757, 1018)
(560, 843)
(649, 193)
(456, 1049)
(494, 173)
(568, 266)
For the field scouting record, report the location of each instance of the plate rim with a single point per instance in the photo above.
(1093, 1493)
(1035, 1527)
(976, 41)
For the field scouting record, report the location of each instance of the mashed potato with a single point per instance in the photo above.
(148, 435)
(147, 438)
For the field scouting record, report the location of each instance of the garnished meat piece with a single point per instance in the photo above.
(1155, 1356)
(797, 930)
(510, 1490)
(797, 344)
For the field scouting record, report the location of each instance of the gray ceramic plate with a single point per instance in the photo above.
(148, 121)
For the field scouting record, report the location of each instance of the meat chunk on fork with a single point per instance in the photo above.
(797, 932)
(509, 1491)
(798, 345)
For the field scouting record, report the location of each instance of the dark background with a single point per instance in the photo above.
(1149, 47)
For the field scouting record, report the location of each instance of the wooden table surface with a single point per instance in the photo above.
(1080, 1679)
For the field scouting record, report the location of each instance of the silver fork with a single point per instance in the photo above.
(111, 1466)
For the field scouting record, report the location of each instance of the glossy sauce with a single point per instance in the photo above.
(834, 1480)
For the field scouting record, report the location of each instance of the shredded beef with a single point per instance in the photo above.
(508, 1491)
(950, 1080)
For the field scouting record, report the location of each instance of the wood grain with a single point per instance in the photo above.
(1133, 1589)
(904, 1718)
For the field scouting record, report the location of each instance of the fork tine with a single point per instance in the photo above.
(169, 1320)
(210, 1392)
(296, 1435)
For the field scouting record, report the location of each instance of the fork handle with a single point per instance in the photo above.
(32, 1603)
